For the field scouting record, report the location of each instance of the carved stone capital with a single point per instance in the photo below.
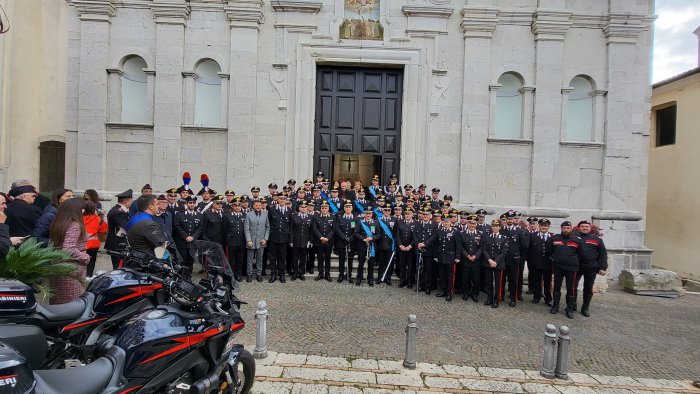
(312, 7)
(479, 22)
(551, 25)
(170, 12)
(245, 13)
(95, 10)
(626, 28)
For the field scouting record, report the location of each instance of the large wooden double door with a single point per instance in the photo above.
(358, 117)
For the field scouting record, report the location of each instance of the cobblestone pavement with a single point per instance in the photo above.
(626, 334)
(293, 373)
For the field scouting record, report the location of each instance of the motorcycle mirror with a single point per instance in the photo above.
(121, 232)
(159, 252)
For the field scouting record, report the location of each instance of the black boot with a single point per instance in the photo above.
(569, 313)
(341, 278)
(282, 280)
(489, 301)
(536, 300)
(293, 277)
(494, 304)
(370, 282)
(248, 279)
(584, 310)
(441, 294)
(237, 277)
(328, 277)
(475, 298)
(258, 278)
(273, 278)
(448, 298)
(555, 309)
(319, 277)
(301, 277)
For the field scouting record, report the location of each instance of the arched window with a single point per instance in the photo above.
(207, 104)
(579, 117)
(135, 107)
(509, 107)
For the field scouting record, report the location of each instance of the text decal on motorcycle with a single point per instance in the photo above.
(184, 343)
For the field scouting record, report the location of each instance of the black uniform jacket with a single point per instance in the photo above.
(186, 224)
(117, 218)
(471, 245)
(360, 234)
(594, 255)
(344, 227)
(426, 233)
(565, 251)
(301, 230)
(213, 226)
(323, 226)
(448, 245)
(280, 224)
(405, 231)
(235, 229)
(495, 247)
(385, 241)
(537, 254)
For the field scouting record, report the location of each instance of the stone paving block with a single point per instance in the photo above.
(616, 380)
(385, 391)
(304, 373)
(460, 370)
(491, 385)
(363, 363)
(390, 365)
(264, 387)
(539, 388)
(268, 370)
(429, 368)
(327, 361)
(301, 388)
(400, 379)
(582, 378)
(606, 390)
(448, 383)
(575, 390)
(285, 358)
(269, 360)
(502, 373)
(350, 376)
(535, 375)
(343, 390)
(661, 383)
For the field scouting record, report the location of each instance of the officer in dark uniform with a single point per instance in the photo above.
(230, 196)
(494, 250)
(173, 204)
(540, 264)
(471, 240)
(117, 218)
(481, 224)
(316, 198)
(206, 193)
(235, 238)
(447, 250)
(345, 224)
(366, 234)
(594, 261)
(323, 228)
(407, 251)
(300, 239)
(533, 228)
(299, 198)
(213, 222)
(187, 227)
(518, 240)
(336, 201)
(280, 218)
(374, 190)
(425, 236)
(361, 204)
(565, 250)
(386, 245)
(435, 202)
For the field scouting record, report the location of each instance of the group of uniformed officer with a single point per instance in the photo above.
(393, 231)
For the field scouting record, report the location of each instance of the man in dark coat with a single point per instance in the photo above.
(594, 261)
(213, 222)
(565, 250)
(323, 228)
(540, 264)
(187, 227)
(494, 250)
(117, 218)
(344, 243)
(235, 238)
(406, 250)
(425, 236)
(386, 245)
(300, 239)
(471, 240)
(366, 234)
(280, 218)
(447, 251)
(22, 216)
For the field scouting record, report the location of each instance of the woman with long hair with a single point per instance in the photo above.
(358, 186)
(41, 229)
(91, 195)
(96, 231)
(68, 233)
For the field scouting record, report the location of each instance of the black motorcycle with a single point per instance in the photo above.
(187, 346)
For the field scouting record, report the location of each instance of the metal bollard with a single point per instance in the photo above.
(550, 351)
(409, 360)
(563, 353)
(260, 350)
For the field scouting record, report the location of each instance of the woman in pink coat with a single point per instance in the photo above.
(68, 233)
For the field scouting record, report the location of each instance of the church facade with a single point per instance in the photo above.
(536, 105)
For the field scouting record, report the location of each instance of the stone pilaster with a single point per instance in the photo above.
(244, 17)
(95, 17)
(170, 17)
(550, 27)
(625, 157)
(478, 25)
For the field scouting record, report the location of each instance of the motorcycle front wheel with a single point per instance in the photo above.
(246, 374)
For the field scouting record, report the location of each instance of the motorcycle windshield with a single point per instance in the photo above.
(212, 257)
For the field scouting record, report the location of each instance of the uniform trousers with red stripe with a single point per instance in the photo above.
(447, 274)
(511, 273)
(494, 283)
(237, 258)
(541, 283)
(470, 277)
(559, 275)
(588, 275)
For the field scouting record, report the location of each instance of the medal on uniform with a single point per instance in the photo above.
(352, 224)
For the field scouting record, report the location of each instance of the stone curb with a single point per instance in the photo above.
(388, 376)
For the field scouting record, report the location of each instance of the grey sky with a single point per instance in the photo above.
(675, 45)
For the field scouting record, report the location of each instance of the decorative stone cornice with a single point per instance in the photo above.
(479, 22)
(515, 17)
(625, 28)
(551, 25)
(598, 92)
(427, 12)
(589, 21)
(170, 12)
(95, 10)
(526, 89)
(311, 7)
(245, 13)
